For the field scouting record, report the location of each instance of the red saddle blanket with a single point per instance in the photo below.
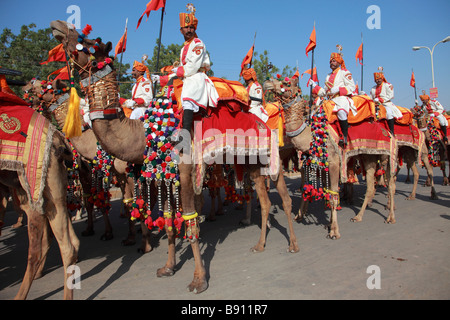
(25, 141)
(365, 137)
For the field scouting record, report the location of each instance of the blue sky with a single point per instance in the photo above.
(282, 28)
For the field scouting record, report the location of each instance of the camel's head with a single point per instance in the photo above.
(54, 90)
(84, 52)
(285, 89)
(31, 92)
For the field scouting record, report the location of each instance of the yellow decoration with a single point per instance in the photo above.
(72, 126)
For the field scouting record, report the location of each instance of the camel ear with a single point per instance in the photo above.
(108, 47)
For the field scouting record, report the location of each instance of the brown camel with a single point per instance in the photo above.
(110, 127)
(55, 104)
(443, 149)
(49, 207)
(299, 130)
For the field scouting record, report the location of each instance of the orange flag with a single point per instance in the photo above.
(412, 83)
(62, 74)
(296, 74)
(122, 44)
(153, 5)
(359, 54)
(248, 58)
(312, 41)
(314, 75)
(56, 54)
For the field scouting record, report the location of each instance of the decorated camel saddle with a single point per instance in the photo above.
(366, 135)
(229, 129)
(25, 142)
(406, 132)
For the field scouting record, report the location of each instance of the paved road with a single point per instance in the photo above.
(411, 257)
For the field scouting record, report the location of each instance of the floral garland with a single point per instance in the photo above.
(160, 164)
(73, 176)
(101, 179)
(433, 146)
(316, 165)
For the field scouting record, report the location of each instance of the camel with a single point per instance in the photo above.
(50, 204)
(55, 104)
(125, 139)
(441, 150)
(299, 130)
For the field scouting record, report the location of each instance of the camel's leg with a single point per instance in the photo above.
(146, 246)
(302, 210)
(219, 211)
(46, 241)
(199, 283)
(248, 213)
(370, 167)
(108, 235)
(19, 211)
(334, 169)
(86, 184)
(55, 194)
(391, 190)
(261, 191)
(280, 184)
(415, 171)
(169, 267)
(408, 179)
(212, 212)
(36, 222)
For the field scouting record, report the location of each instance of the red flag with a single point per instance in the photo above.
(248, 58)
(312, 41)
(122, 44)
(56, 54)
(359, 54)
(412, 83)
(62, 74)
(153, 5)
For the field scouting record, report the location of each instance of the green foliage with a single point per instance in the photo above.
(24, 52)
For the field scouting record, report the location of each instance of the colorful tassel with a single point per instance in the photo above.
(72, 126)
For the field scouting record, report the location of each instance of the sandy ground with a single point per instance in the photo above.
(411, 258)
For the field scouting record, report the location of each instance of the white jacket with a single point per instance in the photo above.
(385, 93)
(255, 92)
(341, 80)
(197, 87)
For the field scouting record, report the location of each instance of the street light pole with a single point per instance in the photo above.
(431, 54)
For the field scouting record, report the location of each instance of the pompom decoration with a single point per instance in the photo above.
(433, 146)
(316, 165)
(160, 165)
(87, 30)
(101, 180)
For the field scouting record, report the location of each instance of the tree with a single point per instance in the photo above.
(265, 70)
(24, 52)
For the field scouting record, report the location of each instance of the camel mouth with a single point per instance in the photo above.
(60, 29)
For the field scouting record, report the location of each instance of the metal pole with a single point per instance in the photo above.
(362, 62)
(159, 48)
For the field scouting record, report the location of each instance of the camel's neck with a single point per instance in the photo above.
(118, 135)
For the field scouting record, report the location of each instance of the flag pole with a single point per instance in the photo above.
(121, 56)
(312, 73)
(362, 62)
(415, 92)
(254, 40)
(159, 44)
